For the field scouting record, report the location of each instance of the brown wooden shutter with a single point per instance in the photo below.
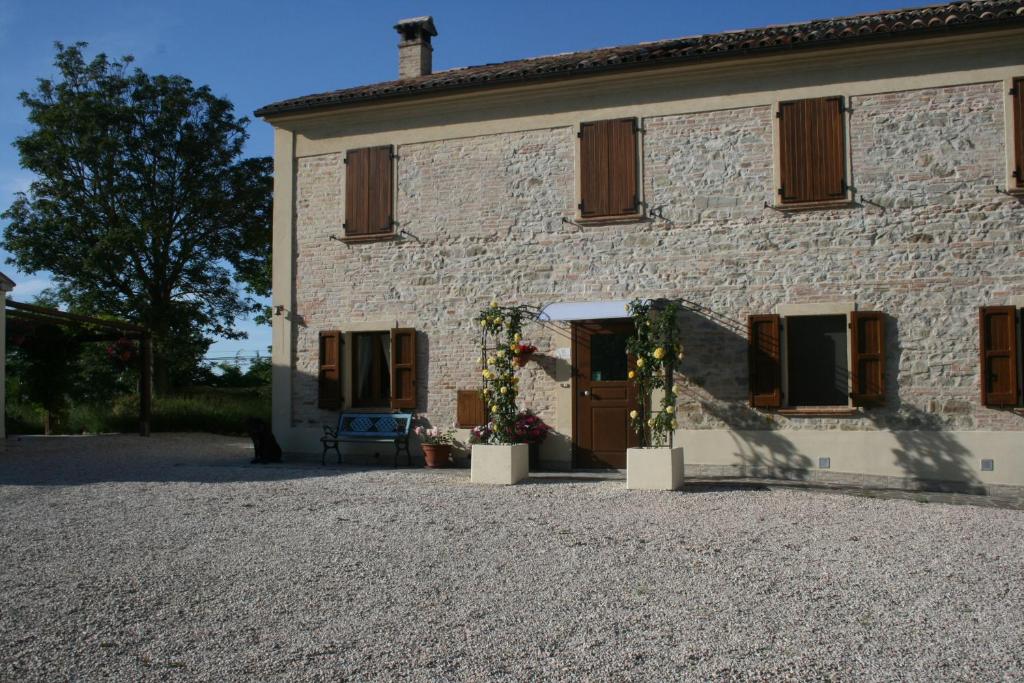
(998, 336)
(470, 410)
(403, 368)
(368, 191)
(812, 150)
(867, 344)
(329, 376)
(1018, 130)
(608, 168)
(764, 353)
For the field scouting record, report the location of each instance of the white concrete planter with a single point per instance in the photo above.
(654, 469)
(500, 464)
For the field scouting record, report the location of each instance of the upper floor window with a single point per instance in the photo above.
(608, 169)
(812, 150)
(368, 192)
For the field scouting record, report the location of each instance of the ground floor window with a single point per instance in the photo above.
(371, 369)
(819, 372)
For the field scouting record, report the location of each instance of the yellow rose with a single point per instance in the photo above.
(494, 409)
(633, 414)
(674, 391)
(490, 360)
(486, 374)
(659, 353)
(483, 323)
(670, 409)
(494, 304)
(674, 424)
(639, 362)
(501, 353)
(631, 374)
(485, 391)
(650, 423)
(504, 390)
(517, 337)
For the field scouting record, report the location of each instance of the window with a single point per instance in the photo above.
(1000, 378)
(1017, 103)
(831, 360)
(381, 367)
(812, 150)
(608, 169)
(368, 192)
(371, 369)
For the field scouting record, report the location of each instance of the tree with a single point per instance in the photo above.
(143, 206)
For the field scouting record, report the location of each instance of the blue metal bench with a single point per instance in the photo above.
(367, 428)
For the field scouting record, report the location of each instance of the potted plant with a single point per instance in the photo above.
(522, 353)
(497, 456)
(655, 347)
(437, 445)
(532, 431)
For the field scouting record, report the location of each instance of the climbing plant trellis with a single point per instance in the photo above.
(501, 331)
(656, 348)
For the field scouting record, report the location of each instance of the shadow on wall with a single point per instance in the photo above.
(715, 396)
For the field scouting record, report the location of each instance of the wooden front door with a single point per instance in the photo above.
(602, 393)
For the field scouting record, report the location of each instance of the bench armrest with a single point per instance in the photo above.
(330, 431)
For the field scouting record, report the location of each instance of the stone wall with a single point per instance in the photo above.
(928, 241)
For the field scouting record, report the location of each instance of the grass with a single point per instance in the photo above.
(218, 411)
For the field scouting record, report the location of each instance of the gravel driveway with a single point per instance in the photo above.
(171, 559)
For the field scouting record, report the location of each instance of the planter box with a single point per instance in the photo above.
(500, 464)
(654, 469)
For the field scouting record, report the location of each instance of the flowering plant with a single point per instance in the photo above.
(656, 349)
(501, 386)
(480, 433)
(530, 428)
(435, 436)
(122, 351)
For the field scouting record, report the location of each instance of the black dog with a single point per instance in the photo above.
(263, 442)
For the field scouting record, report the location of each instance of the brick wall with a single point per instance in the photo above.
(929, 241)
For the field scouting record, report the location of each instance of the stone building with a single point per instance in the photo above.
(838, 204)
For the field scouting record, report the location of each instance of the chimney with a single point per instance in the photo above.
(415, 54)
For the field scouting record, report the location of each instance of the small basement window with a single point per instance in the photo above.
(819, 371)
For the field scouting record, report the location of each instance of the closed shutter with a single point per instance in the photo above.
(998, 336)
(329, 376)
(764, 353)
(1018, 130)
(812, 150)
(403, 368)
(608, 168)
(368, 191)
(470, 410)
(867, 343)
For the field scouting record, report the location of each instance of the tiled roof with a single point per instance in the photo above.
(921, 21)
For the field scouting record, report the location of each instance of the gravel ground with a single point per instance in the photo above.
(169, 559)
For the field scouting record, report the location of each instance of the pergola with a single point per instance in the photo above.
(92, 329)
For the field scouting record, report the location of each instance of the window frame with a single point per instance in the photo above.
(377, 401)
(785, 369)
(848, 197)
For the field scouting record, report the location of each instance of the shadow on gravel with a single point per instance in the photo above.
(161, 458)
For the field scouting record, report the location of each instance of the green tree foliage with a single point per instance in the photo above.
(44, 363)
(143, 207)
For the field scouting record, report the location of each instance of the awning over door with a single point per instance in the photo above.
(585, 310)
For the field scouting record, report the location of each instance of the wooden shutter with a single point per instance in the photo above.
(608, 168)
(1017, 93)
(812, 150)
(470, 410)
(368, 191)
(998, 335)
(403, 368)
(867, 344)
(329, 375)
(764, 353)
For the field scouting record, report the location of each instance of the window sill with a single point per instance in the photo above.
(611, 220)
(815, 206)
(823, 411)
(361, 239)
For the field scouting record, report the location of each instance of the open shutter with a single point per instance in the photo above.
(403, 368)
(594, 169)
(867, 344)
(812, 150)
(470, 410)
(764, 353)
(998, 336)
(368, 191)
(1017, 95)
(329, 375)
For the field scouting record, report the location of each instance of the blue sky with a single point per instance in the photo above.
(255, 52)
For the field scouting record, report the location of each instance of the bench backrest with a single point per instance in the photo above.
(376, 425)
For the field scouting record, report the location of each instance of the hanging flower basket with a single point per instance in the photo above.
(522, 353)
(122, 352)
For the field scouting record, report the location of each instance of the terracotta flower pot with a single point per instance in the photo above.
(437, 455)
